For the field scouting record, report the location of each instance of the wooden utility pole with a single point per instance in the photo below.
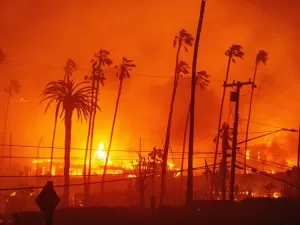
(235, 97)
(225, 146)
(189, 191)
(298, 164)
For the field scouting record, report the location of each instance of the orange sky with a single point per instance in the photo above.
(40, 33)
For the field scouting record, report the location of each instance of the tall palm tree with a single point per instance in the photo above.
(69, 69)
(261, 57)
(185, 40)
(123, 72)
(72, 97)
(190, 180)
(235, 51)
(203, 80)
(101, 60)
(13, 87)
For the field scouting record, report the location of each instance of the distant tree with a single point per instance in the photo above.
(146, 167)
(13, 87)
(235, 51)
(69, 69)
(123, 72)
(72, 97)
(203, 80)
(261, 57)
(101, 59)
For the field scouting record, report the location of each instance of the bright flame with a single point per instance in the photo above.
(131, 176)
(171, 165)
(100, 154)
(13, 194)
(289, 162)
(276, 195)
(248, 154)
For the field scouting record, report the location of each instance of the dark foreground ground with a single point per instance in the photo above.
(248, 212)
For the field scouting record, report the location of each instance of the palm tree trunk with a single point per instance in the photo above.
(248, 120)
(4, 130)
(219, 127)
(111, 136)
(68, 131)
(86, 186)
(53, 138)
(92, 129)
(190, 186)
(183, 146)
(168, 133)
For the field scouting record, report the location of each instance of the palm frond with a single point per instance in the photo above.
(261, 57)
(185, 38)
(235, 51)
(124, 68)
(72, 96)
(203, 79)
(183, 68)
(175, 41)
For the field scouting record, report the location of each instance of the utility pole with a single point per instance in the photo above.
(225, 146)
(154, 173)
(10, 146)
(235, 97)
(298, 165)
(140, 158)
(189, 190)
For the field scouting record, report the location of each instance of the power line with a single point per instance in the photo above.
(82, 158)
(83, 149)
(99, 182)
(268, 175)
(269, 164)
(266, 161)
(83, 70)
(267, 125)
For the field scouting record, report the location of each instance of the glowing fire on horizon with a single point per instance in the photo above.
(100, 154)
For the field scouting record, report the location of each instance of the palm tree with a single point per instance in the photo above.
(69, 69)
(72, 97)
(185, 40)
(124, 72)
(101, 59)
(13, 87)
(235, 51)
(190, 180)
(261, 57)
(203, 80)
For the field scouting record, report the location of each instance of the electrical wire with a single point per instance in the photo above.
(83, 70)
(82, 158)
(268, 175)
(267, 125)
(100, 182)
(266, 161)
